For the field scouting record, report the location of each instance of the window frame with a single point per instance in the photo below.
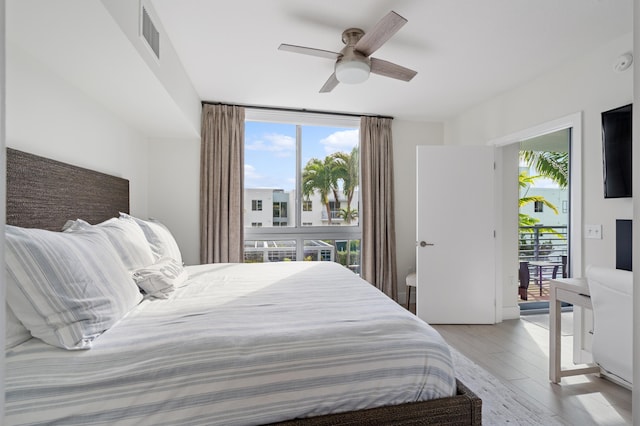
(538, 207)
(300, 232)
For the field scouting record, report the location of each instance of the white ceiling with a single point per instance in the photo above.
(465, 51)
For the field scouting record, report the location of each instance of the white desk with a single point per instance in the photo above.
(576, 292)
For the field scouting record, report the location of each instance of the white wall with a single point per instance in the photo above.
(169, 70)
(587, 84)
(47, 116)
(407, 136)
(3, 197)
(174, 191)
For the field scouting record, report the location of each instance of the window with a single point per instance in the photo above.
(307, 167)
(538, 206)
(334, 208)
(279, 210)
(256, 224)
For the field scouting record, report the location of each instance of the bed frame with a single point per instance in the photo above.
(43, 193)
(463, 409)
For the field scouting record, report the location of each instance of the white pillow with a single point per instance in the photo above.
(161, 278)
(16, 332)
(159, 237)
(127, 238)
(66, 288)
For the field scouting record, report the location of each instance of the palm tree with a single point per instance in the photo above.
(350, 164)
(347, 168)
(525, 181)
(320, 176)
(549, 164)
(325, 176)
(348, 214)
(552, 165)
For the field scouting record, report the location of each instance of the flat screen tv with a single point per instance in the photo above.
(616, 152)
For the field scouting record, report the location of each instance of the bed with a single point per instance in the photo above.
(274, 343)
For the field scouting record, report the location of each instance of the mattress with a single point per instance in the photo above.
(237, 344)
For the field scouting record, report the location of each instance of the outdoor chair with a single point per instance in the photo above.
(524, 276)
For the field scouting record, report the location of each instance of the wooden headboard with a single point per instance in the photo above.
(43, 193)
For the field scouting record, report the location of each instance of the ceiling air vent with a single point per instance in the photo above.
(150, 33)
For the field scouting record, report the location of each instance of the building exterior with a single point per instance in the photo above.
(273, 207)
(556, 196)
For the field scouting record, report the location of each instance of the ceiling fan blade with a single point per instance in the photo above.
(389, 69)
(330, 84)
(380, 33)
(309, 51)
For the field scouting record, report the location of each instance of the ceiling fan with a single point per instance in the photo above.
(353, 62)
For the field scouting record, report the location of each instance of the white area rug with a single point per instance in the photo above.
(500, 405)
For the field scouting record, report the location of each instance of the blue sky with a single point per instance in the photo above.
(270, 151)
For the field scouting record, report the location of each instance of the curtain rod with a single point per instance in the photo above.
(347, 114)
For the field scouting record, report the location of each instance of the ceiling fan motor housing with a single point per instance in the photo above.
(352, 67)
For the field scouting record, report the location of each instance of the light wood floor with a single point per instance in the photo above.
(516, 352)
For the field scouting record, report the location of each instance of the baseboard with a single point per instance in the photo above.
(510, 312)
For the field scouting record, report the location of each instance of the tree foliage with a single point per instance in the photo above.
(325, 177)
(318, 176)
(552, 165)
(525, 181)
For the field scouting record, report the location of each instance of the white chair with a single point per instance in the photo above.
(411, 282)
(612, 299)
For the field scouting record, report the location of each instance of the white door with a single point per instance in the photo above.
(455, 244)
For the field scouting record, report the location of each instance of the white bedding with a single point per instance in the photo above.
(237, 344)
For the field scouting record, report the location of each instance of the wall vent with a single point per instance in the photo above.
(150, 33)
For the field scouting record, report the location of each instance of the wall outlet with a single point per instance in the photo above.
(593, 231)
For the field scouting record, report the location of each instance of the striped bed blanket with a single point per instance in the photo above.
(237, 344)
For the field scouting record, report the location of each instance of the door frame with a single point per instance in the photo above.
(574, 122)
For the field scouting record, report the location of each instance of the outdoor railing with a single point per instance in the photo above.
(542, 242)
(314, 251)
(335, 214)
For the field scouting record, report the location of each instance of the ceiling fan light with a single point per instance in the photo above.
(352, 72)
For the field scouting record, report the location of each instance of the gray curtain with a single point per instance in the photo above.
(221, 184)
(378, 218)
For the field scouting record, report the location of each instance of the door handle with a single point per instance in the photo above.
(424, 244)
